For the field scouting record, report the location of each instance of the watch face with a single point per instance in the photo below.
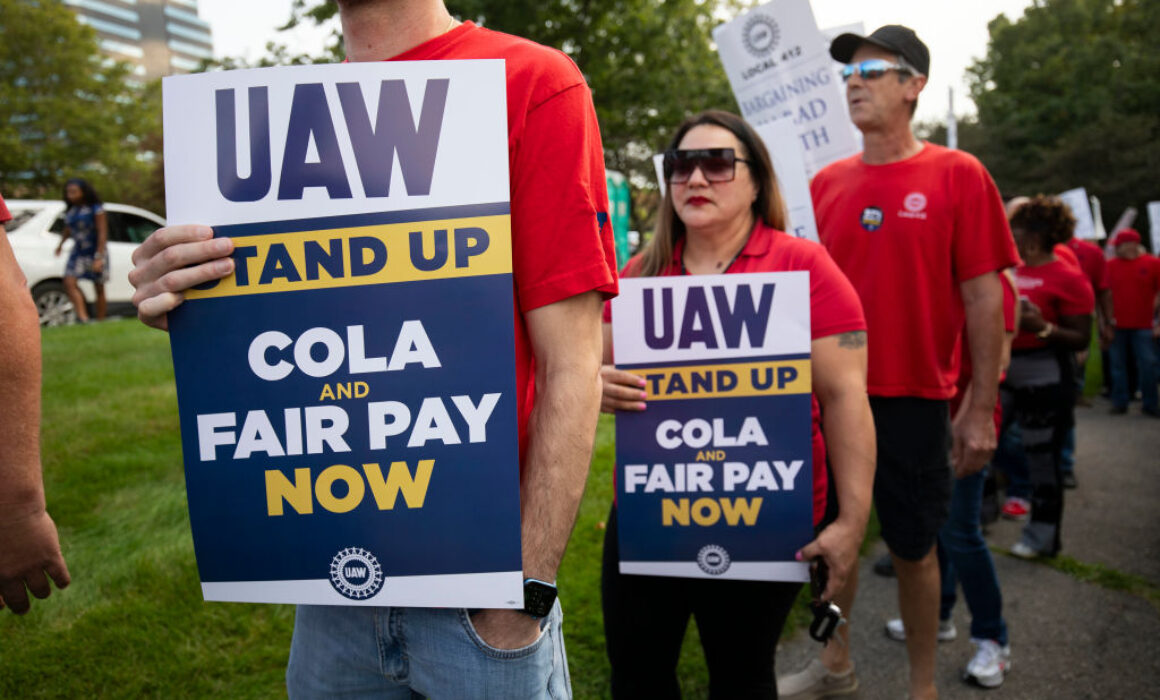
(538, 598)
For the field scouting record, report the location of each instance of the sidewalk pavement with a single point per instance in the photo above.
(1069, 639)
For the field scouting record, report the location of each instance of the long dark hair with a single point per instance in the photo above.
(88, 194)
(768, 207)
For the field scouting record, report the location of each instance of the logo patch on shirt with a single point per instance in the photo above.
(914, 206)
(872, 218)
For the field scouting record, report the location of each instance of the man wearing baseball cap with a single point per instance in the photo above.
(1134, 278)
(921, 232)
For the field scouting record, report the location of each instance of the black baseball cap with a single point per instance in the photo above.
(893, 37)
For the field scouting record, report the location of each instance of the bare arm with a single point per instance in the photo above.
(28, 541)
(102, 241)
(973, 430)
(566, 341)
(839, 379)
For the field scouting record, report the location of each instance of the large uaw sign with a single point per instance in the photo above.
(714, 478)
(780, 68)
(347, 402)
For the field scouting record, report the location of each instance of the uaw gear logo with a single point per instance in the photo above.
(356, 573)
(871, 218)
(713, 559)
(760, 35)
(914, 206)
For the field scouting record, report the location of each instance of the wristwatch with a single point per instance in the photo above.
(1046, 332)
(539, 596)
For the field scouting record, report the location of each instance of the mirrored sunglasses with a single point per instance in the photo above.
(716, 164)
(872, 68)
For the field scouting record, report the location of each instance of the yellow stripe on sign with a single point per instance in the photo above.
(382, 254)
(717, 381)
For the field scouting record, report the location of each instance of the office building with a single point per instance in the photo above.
(157, 37)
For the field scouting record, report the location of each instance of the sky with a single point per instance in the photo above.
(955, 31)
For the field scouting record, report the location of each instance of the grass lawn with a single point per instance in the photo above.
(133, 623)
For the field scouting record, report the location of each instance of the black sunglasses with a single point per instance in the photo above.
(716, 164)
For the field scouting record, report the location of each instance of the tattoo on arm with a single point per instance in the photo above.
(853, 340)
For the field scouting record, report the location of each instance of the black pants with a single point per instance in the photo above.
(645, 618)
(1044, 414)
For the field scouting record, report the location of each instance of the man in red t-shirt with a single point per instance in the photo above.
(1134, 278)
(921, 233)
(563, 269)
(29, 548)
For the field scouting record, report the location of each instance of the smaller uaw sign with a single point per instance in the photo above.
(714, 479)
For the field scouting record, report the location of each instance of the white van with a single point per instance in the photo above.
(34, 233)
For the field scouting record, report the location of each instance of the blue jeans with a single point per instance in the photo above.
(404, 653)
(964, 557)
(1141, 342)
(1010, 459)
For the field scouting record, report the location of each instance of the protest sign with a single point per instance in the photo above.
(714, 479)
(1081, 209)
(779, 66)
(347, 396)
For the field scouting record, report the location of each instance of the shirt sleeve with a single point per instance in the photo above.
(562, 234)
(834, 304)
(5, 216)
(982, 238)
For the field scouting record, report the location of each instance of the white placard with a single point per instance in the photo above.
(779, 65)
(1077, 201)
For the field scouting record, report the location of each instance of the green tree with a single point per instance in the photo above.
(649, 63)
(1069, 96)
(67, 111)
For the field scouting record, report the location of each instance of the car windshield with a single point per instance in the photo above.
(19, 217)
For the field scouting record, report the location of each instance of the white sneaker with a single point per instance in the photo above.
(815, 682)
(1023, 550)
(989, 665)
(946, 630)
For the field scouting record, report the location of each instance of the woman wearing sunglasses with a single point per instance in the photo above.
(722, 213)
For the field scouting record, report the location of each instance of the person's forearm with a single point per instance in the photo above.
(983, 303)
(20, 479)
(850, 445)
(561, 430)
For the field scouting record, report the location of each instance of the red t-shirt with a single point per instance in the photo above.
(1092, 261)
(562, 241)
(1058, 289)
(1067, 255)
(834, 307)
(907, 234)
(4, 215)
(1134, 285)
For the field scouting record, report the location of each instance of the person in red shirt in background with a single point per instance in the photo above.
(1134, 277)
(1039, 391)
(921, 233)
(29, 546)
